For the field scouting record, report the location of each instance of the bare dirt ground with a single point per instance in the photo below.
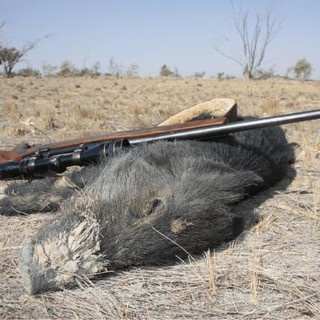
(272, 271)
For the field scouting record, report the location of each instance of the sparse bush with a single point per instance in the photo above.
(199, 74)
(132, 71)
(176, 73)
(95, 69)
(83, 72)
(118, 70)
(289, 71)
(114, 68)
(230, 77)
(48, 69)
(302, 69)
(28, 72)
(67, 69)
(165, 71)
(220, 75)
(265, 74)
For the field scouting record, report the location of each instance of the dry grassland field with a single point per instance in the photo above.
(272, 271)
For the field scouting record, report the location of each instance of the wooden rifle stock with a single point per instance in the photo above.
(17, 155)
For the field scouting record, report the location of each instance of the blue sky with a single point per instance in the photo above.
(151, 33)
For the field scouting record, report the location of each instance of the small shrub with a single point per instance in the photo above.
(261, 74)
(302, 69)
(48, 69)
(220, 75)
(83, 72)
(95, 69)
(199, 74)
(28, 72)
(176, 73)
(67, 69)
(114, 68)
(165, 71)
(132, 71)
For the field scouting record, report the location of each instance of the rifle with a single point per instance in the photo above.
(38, 161)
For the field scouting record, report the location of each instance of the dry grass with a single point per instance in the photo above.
(270, 272)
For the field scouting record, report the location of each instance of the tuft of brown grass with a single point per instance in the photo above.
(265, 223)
(14, 115)
(254, 265)
(271, 107)
(212, 277)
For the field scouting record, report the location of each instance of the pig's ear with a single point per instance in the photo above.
(233, 187)
(221, 187)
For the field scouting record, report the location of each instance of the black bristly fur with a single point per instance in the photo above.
(145, 205)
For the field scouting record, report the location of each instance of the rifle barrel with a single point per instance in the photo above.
(221, 130)
(40, 164)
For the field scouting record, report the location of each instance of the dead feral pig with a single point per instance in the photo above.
(145, 205)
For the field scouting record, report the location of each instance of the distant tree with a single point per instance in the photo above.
(254, 42)
(302, 69)
(220, 75)
(9, 57)
(165, 71)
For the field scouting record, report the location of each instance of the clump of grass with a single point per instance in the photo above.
(310, 145)
(82, 111)
(14, 115)
(46, 113)
(265, 223)
(271, 107)
(12, 111)
(232, 247)
(49, 121)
